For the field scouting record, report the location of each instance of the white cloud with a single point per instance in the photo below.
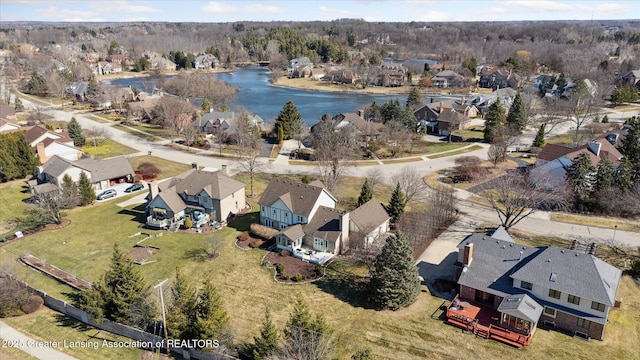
(261, 9)
(53, 13)
(611, 9)
(220, 8)
(122, 6)
(434, 16)
(541, 5)
(333, 13)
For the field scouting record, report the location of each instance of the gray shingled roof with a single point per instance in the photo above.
(369, 216)
(521, 306)
(173, 201)
(299, 198)
(215, 184)
(325, 224)
(577, 274)
(293, 232)
(501, 234)
(56, 166)
(106, 169)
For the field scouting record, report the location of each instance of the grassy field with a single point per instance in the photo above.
(599, 222)
(11, 197)
(10, 353)
(106, 149)
(143, 134)
(401, 160)
(168, 168)
(456, 152)
(247, 288)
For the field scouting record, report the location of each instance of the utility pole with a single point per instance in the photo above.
(164, 317)
(613, 239)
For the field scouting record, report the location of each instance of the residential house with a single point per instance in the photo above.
(298, 62)
(48, 143)
(483, 101)
(340, 75)
(7, 125)
(201, 195)
(8, 112)
(206, 61)
(119, 59)
(554, 161)
(311, 227)
(79, 90)
(630, 78)
(447, 78)
(507, 290)
(362, 130)
(391, 75)
(221, 122)
(318, 73)
(443, 117)
(102, 173)
(499, 78)
(161, 64)
(143, 105)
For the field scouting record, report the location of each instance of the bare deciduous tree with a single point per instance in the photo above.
(375, 175)
(497, 152)
(303, 344)
(251, 164)
(514, 197)
(174, 114)
(332, 151)
(411, 183)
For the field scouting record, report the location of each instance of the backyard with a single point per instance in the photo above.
(247, 288)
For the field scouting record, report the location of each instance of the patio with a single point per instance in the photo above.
(312, 256)
(484, 321)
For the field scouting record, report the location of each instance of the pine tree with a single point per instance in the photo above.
(122, 291)
(300, 318)
(580, 176)
(69, 195)
(366, 193)
(414, 98)
(206, 105)
(288, 120)
(75, 132)
(181, 307)
(624, 175)
(211, 320)
(395, 282)
(517, 117)
(539, 139)
(630, 148)
(605, 175)
(25, 159)
(19, 107)
(495, 121)
(396, 204)
(87, 193)
(267, 343)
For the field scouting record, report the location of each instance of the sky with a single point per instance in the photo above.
(306, 10)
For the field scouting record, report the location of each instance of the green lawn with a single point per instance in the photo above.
(11, 195)
(168, 168)
(106, 149)
(143, 135)
(85, 246)
(457, 152)
(425, 147)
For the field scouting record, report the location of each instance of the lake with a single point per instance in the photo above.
(260, 97)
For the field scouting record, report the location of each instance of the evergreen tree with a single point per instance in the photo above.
(471, 64)
(92, 87)
(624, 175)
(395, 282)
(211, 320)
(414, 98)
(365, 354)
(396, 204)
(630, 148)
(300, 318)
(605, 175)
(266, 344)
(366, 193)
(288, 120)
(18, 105)
(624, 94)
(181, 307)
(69, 195)
(495, 121)
(26, 159)
(87, 193)
(539, 139)
(122, 291)
(206, 105)
(517, 117)
(75, 132)
(580, 173)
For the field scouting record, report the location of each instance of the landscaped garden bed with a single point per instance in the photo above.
(290, 269)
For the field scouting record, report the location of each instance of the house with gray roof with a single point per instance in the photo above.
(221, 122)
(311, 227)
(559, 288)
(102, 173)
(200, 195)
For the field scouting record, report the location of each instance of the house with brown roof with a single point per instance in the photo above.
(554, 161)
(311, 227)
(507, 290)
(498, 78)
(198, 194)
(7, 125)
(363, 130)
(49, 143)
(443, 117)
(8, 112)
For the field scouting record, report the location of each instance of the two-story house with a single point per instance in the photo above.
(311, 227)
(527, 286)
(202, 195)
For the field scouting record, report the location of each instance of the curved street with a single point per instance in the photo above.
(538, 223)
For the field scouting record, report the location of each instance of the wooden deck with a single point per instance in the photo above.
(483, 322)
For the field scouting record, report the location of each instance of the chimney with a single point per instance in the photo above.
(153, 189)
(194, 165)
(441, 107)
(224, 169)
(594, 147)
(344, 229)
(468, 254)
(361, 113)
(462, 100)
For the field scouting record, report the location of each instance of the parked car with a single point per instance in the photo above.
(134, 187)
(106, 194)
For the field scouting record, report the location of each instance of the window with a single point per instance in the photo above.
(597, 306)
(583, 323)
(549, 311)
(554, 294)
(263, 209)
(274, 211)
(574, 299)
(526, 285)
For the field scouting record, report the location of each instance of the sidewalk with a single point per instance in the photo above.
(31, 346)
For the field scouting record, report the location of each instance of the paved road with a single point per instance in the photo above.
(32, 347)
(538, 224)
